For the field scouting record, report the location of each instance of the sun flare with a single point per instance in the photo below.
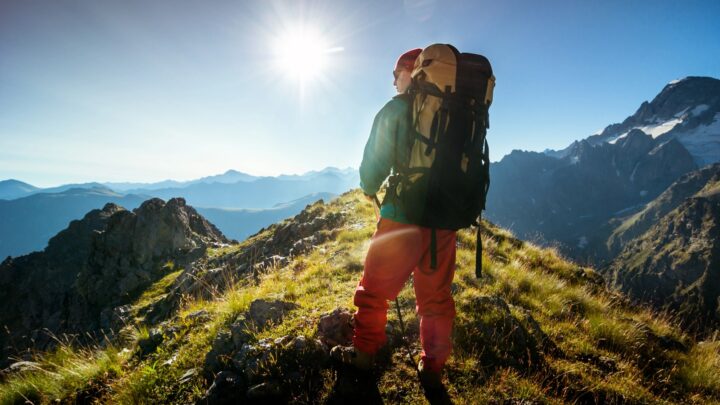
(303, 54)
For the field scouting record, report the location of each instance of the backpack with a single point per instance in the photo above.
(445, 182)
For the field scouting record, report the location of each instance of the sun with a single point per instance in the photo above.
(303, 54)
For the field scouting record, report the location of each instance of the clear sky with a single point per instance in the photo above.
(102, 90)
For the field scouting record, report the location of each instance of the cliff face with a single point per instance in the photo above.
(79, 283)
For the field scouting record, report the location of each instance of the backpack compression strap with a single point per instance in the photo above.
(478, 253)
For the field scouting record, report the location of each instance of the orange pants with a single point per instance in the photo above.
(396, 251)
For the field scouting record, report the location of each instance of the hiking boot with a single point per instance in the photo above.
(349, 356)
(430, 380)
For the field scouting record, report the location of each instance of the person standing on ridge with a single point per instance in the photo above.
(399, 249)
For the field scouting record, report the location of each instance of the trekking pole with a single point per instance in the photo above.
(413, 364)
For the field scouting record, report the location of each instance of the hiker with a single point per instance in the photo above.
(430, 140)
(399, 249)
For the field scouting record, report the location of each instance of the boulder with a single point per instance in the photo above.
(218, 355)
(336, 328)
(263, 312)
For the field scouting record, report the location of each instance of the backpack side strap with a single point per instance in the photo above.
(478, 253)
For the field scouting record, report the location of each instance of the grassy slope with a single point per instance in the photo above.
(600, 348)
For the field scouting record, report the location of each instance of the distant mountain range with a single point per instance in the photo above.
(27, 223)
(12, 189)
(264, 192)
(638, 200)
(564, 197)
(230, 176)
(238, 224)
(238, 203)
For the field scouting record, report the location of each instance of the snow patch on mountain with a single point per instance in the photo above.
(703, 142)
(659, 129)
(619, 137)
(654, 130)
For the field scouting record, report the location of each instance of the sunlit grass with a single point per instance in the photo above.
(701, 369)
(63, 374)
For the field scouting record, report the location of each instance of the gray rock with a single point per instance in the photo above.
(115, 318)
(238, 360)
(95, 266)
(263, 312)
(299, 343)
(240, 332)
(266, 390)
(336, 328)
(222, 348)
(277, 260)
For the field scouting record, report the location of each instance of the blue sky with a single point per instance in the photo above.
(150, 90)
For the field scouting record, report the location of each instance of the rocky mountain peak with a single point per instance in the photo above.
(679, 99)
(73, 244)
(687, 110)
(97, 264)
(690, 91)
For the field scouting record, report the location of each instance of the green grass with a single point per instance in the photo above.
(64, 373)
(701, 368)
(158, 289)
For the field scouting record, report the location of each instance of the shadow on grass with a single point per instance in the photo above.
(354, 387)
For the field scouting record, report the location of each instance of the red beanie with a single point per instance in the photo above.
(406, 61)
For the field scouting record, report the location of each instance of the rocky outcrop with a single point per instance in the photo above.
(81, 282)
(243, 368)
(126, 255)
(269, 248)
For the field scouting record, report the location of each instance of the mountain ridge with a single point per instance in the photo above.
(686, 109)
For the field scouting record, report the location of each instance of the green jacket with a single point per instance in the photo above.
(390, 126)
